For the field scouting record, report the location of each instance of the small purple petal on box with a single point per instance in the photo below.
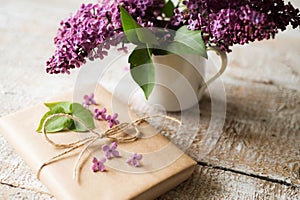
(100, 114)
(134, 159)
(139, 156)
(108, 155)
(111, 151)
(116, 153)
(112, 120)
(88, 100)
(113, 145)
(103, 160)
(98, 165)
(135, 163)
(94, 160)
(105, 148)
(102, 168)
(95, 168)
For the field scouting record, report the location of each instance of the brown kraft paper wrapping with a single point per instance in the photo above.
(127, 183)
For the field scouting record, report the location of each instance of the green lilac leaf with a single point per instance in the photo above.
(61, 123)
(57, 123)
(146, 36)
(134, 32)
(64, 105)
(142, 69)
(189, 38)
(84, 115)
(168, 9)
(180, 48)
(129, 25)
(47, 114)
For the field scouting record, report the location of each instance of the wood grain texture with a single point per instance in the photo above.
(261, 134)
(256, 155)
(15, 173)
(210, 183)
(16, 193)
(27, 28)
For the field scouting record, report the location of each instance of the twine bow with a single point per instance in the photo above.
(115, 134)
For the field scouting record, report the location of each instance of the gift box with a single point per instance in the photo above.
(163, 166)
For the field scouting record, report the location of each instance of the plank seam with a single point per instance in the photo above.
(249, 174)
(24, 188)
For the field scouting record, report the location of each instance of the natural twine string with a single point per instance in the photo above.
(115, 134)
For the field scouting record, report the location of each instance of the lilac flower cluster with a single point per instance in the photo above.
(88, 100)
(79, 35)
(112, 152)
(98, 165)
(229, 22)
(100, 114)
(145, 12)
(134, 159)
(94, 28)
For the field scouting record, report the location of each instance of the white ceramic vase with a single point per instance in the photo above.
(179, 80)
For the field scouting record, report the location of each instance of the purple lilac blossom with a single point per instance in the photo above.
(94, 28)
(134, 159)
(112, 120)
(98, 165)
(88, 100)
(111, 150)
(100, 114)
(229, 22)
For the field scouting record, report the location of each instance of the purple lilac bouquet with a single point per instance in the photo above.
(94, 28)
(228, 22)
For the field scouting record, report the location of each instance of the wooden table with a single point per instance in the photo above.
(256, 155)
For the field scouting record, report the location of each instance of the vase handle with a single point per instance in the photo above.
(223, 56)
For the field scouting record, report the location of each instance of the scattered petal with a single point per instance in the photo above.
(115, 153)
(105, 148)
(98, 165)
(111, 151)
(88, 100)
(134, 159)
(112, 120)
(100, 114)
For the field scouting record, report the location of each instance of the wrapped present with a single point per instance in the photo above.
(162, 167)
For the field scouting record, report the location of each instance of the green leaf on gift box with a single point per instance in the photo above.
(168, 9)
(61, 123)
(134, 32)
(56, 124)
(64, 105)
(142, 69)
(84, 115)
(188, 42)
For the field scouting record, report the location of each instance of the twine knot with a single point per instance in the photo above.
(114, 134)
